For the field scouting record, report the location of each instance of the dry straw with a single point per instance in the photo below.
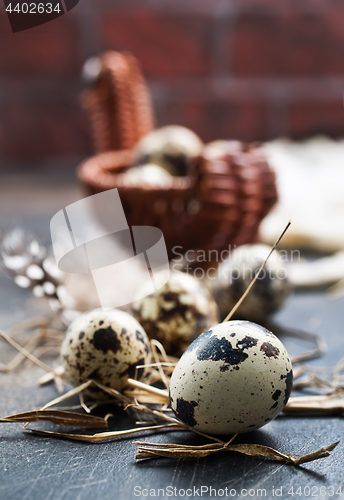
(150, 405)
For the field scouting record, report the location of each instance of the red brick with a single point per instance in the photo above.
(215, 119)
(316, 117)
(292, 44)
(36, 128)
(51, 48)
(167, 44)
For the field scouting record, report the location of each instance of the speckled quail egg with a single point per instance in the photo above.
(178, 312)
(234, 378)
(234, 276)
(153, 175)
(105, 346)
(172, 147)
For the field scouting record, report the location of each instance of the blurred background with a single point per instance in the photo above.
(242, 69)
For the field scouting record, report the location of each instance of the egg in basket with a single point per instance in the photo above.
(202, 197)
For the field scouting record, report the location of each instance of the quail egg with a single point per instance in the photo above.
(234, 276)
(153, 175)
(172, 147)
(105, 346)
(178, 312)
(234, 378)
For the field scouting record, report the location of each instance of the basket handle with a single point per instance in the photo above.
(118, 103)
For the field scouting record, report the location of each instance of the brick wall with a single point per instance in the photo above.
(244, 69)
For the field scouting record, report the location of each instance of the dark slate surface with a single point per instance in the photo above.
(34, 467)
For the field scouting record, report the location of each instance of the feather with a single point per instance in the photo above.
(25, 259)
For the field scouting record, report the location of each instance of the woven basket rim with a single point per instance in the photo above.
(89, 171)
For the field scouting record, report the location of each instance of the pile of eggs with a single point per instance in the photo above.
(163, 154)
(232, 377)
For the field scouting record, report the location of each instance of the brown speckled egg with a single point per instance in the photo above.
(234, 378)
(178, 312)
(234, 276)
(105, 346)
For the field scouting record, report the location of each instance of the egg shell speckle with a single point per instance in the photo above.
(105, 346)
(178, 312)
(234, 378)
(234, 276)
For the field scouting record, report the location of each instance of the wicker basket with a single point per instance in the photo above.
(222, 201)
